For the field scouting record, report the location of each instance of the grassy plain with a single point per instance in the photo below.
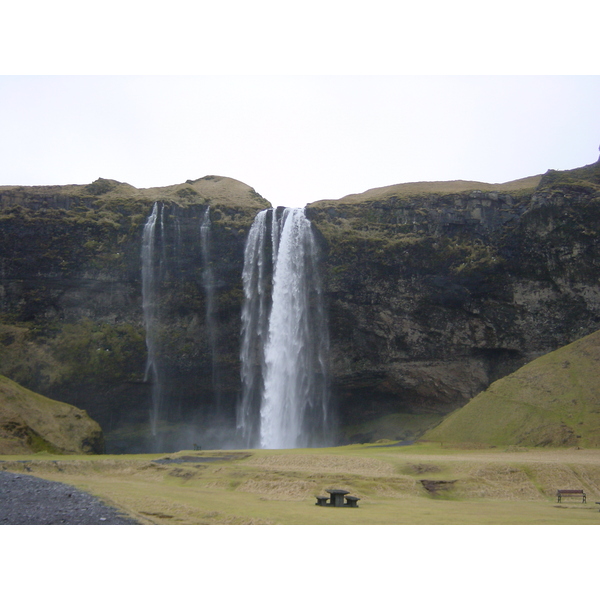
(425, 483)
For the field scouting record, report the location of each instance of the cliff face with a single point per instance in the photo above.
(71, 324)
(436, 290)
(433, 292)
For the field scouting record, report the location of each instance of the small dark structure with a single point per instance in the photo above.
(336, 498)
(561, 493)
(352, 501)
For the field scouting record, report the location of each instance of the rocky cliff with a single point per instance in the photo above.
(71, 322)
(433, 290)
(437, 289)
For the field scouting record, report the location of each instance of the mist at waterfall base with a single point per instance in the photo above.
(284, 397)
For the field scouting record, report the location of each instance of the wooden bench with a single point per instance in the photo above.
(352, 501)
(561, 493)
(322, 500)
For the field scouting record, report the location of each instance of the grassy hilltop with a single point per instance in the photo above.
(30, 422)
(552, 401)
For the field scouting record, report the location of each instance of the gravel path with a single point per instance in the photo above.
(28, 500)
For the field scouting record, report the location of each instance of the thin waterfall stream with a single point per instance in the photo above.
(208, 282)
(150, 276)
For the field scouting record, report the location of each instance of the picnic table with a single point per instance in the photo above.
(338, 498)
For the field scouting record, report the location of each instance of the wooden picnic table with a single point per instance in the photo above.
(337, 497)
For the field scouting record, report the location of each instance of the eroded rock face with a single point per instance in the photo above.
(433, 296)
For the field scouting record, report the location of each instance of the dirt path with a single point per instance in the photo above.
(575, 456)
(28, 500)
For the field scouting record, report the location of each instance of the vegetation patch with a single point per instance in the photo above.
(33, 423)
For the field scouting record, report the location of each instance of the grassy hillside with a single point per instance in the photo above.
(424, 188)
(552, 401)
(32, 423)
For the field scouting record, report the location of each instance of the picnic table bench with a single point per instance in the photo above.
(561, 493)
(336, 498)
(352, 501)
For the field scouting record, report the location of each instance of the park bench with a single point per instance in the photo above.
(561, 493)
(322, 500)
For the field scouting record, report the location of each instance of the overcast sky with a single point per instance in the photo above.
(300, 101)
(295, 139)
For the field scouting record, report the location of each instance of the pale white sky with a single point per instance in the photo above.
(295, 139)
(300, 101)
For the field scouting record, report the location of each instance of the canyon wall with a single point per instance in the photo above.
(433, 291)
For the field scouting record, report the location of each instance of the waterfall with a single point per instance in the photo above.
(254, 328)
(150, 282)
(208, 282)
(284, 338)
(294, 411)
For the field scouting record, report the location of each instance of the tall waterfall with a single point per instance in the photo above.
(285, 343)
(150, 282)
(208, 282)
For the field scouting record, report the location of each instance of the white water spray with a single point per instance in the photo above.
(254, 330)
(208, 282)
(284, 356)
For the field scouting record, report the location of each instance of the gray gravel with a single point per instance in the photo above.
(28, 500)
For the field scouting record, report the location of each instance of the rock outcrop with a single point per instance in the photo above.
(32, 423)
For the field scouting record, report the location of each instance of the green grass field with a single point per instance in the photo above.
(425, 483)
